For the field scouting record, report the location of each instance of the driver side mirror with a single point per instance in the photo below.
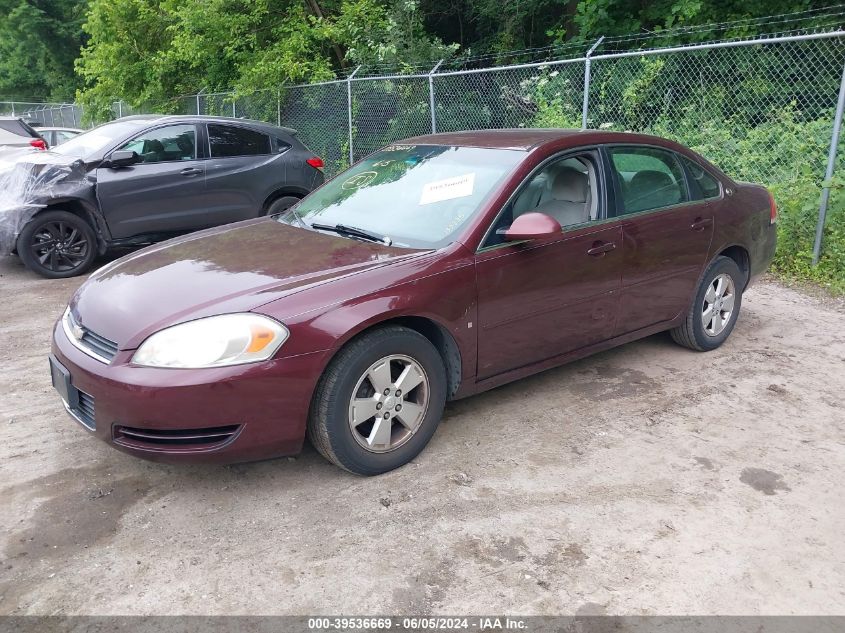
(122, 158)
(531, 226)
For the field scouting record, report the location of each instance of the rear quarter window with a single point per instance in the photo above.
(227, 141)
(282, 145)
(703, 185)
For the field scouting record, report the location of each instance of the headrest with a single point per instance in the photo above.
(651, 179)
(570, 185)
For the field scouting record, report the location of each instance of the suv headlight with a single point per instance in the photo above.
(218, 341)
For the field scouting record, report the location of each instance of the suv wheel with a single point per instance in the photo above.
(57, 244)
(280, 205)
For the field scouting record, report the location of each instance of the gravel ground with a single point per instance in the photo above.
(645, 480)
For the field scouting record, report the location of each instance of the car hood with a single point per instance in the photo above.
(235, 268)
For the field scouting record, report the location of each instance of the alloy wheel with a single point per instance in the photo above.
(389, 403)
(718, 305)
(59, 246)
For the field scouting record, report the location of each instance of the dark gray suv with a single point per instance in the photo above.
(143, 179)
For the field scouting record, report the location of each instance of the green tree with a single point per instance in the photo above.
(148, 51)
(39, 40)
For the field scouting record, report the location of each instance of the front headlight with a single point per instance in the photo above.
(228, 339)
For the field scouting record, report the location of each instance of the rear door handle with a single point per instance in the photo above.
(191, 171)
(600, 248)
(701, 223)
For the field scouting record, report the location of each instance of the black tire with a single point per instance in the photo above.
(57, 245)
(329, 429)
(692, 333)
(280, 205)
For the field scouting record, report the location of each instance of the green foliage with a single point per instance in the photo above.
(552, 93)
(620, 17)
(39, 40)
(166, 48)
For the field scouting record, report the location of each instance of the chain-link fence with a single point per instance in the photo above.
(761, 109)
(45, 114)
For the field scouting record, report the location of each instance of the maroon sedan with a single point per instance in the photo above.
(432, 270)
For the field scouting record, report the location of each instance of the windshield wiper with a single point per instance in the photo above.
(342, 229)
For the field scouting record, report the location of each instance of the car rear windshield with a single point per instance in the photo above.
(92, 141)
(420, 196)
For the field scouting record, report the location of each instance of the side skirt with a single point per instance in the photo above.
(562, 359)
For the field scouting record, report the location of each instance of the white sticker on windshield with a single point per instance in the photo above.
(448, 189)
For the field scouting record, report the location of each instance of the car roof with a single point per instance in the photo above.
(59, 129)
(529, 138)
(175, 118)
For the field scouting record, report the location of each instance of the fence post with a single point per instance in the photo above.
(120, 109)
(828, 174)
(586, 105)
(279, 107)
(234, 112)
(199, 107)
(431, 97)
(349, 111)
(13, 108)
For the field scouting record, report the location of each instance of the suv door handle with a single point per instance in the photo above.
(701, 223)
(600, 248)
(191, 171)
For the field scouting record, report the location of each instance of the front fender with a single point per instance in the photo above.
(447, 299)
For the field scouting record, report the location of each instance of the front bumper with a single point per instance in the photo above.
(263, 406)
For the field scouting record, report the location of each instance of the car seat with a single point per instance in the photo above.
(651, 189)
(569, 197)
(153, 151)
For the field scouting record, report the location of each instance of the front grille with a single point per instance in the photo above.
(89, 342)
(85, 410)
(98, 344)
(206, 438)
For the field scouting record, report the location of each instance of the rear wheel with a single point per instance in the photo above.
(280, 205)
(714, 311)
(379, 401)
(57, 244)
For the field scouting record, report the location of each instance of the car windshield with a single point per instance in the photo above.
(87, 143)
(418, 196)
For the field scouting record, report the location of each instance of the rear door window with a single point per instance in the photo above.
(227, 141)
(649, 178)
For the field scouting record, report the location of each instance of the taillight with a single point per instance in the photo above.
(316, 163)
(38, 143)
(773, 209)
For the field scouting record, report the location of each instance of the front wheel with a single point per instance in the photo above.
(57, 244)
(379, 401)
(715, 309)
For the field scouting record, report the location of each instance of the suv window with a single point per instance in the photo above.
(702, 184)
(227, 141)
(165, 144)
(649, 178)
(566, 189)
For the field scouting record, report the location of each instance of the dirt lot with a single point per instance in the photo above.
(649, 479)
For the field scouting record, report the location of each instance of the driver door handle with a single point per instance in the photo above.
(600, 248)
(701, 223)
(191, 171)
